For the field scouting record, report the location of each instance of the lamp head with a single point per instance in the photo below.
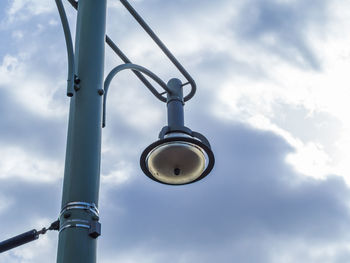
(177, 159)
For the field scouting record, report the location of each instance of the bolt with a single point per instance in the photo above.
(67, 215)
(77, 80)
(177, 171)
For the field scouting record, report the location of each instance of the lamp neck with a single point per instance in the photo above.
(175, 104)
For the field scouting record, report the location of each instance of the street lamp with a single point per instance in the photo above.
(177, 160)
(180, 156)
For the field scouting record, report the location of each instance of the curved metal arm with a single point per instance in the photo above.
(138, 74)
(123, 57)
(161, 45)
(136, 68)
(69, 44)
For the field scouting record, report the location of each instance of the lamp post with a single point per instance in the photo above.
(82, 167)
(180, 156)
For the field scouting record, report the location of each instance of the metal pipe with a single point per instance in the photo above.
(175, 104)
(161, 45)
(69, 44)
(83, 154)
(18, 240)
(133, 67)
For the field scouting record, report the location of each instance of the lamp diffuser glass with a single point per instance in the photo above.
(176, 162)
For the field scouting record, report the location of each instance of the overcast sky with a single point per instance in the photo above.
(273, 100)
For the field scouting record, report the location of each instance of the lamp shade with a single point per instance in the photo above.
(177, 160)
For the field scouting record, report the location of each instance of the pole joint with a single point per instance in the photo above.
(88, 222)
(176, 92)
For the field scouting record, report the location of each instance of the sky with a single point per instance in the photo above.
(273, 100)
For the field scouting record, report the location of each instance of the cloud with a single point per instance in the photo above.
(24, 9)
(18, 126)
(30, 204)
(253, 197)
(251, 70)
(282, 28)
(253, 201)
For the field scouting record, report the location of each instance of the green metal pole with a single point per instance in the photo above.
(79, 216)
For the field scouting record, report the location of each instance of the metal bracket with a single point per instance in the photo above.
(167, 129)
(80, 205)
(75, 223)
(92, 225)
(95, 229)
(76, 83)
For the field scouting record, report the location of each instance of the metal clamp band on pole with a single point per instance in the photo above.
(162, 46)
(135, 68)
(91, 207)
(92, 225)
(75, 223)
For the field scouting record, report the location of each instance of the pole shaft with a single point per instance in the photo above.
(83, 154)
(175, 104)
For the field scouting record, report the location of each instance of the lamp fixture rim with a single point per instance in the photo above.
(207, 150)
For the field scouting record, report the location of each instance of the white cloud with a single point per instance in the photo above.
(237, 94)
(34, 92)
(308, 158)
(297, 250)
(244, 98)
(17, 163)
(145, 112)
(5, 203)
(134, 255)
(24, 9)
(38, 251)
(17, 34)
(117, 176)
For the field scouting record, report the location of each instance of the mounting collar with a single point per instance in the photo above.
(92, 224)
